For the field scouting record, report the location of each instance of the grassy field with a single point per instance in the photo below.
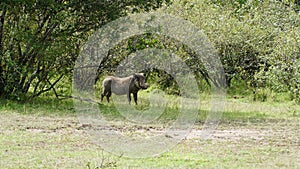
(46, 133)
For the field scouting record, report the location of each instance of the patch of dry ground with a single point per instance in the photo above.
(283, 130)
(270, 136)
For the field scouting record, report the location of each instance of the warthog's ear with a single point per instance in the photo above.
(136, 76)
(140, 74)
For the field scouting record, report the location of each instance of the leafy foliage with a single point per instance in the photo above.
(40, 40)
(258, 42)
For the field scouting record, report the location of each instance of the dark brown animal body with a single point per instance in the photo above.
(122, 86)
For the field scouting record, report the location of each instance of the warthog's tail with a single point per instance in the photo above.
(106, 89)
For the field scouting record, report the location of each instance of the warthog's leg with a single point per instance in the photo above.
(108, 95)
(102, 95)
(129, 97)
(135, 98)
(106, 89)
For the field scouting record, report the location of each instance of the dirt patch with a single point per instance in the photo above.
(231, 134)
(285, 132)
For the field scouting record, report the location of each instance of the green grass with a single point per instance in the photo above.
(45, 133)
(42, 106)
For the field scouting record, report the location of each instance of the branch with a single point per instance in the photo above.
(2, 29)
(80, 99)
(49, 31)
(56, 95)
(46, 90)
(41, 24)
(27, 84)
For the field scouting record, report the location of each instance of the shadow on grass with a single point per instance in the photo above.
(53, 106)
(41, 106)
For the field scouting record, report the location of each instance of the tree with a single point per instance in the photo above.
(40, 40)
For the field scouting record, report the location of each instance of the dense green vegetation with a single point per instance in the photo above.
(258, 43)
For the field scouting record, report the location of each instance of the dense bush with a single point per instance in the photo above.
(258, 42)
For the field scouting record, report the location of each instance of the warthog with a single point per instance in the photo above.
(122, 86)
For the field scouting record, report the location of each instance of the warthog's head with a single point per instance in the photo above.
(140, 81)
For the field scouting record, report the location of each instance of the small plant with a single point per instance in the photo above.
(105, 163)
(262, 94)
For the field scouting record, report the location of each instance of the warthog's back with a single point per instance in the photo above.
(118, 85)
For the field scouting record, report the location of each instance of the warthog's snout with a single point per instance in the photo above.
(122, 86)
(145, 86)
(142, 84)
